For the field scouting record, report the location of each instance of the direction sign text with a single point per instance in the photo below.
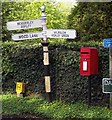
(25, 36)
(60, 33)
(16, 25)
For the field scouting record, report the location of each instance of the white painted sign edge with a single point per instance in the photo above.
(103, 85)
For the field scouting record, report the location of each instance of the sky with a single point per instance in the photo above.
(69, 1)
(74, 1)
(40, 0)
(66, 0)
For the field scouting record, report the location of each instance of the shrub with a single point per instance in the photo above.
(88, 19)
(24, 62)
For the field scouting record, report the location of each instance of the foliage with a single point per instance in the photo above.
(93, 21)
(24, 62)
(15, 11)
(55, 110)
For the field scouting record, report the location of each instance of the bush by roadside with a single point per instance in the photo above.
(23, 61)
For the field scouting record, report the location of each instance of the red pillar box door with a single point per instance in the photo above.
(88, 61)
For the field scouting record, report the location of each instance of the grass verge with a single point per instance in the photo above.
(12, 105)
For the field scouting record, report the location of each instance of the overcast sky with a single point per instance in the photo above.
(39, 0)
(70, 1)
(66, 0)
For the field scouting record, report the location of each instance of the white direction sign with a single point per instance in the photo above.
(24, 36)
(17, 25)
(61, 33)
(55, 33)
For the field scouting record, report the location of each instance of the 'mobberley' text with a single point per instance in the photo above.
(25, 24)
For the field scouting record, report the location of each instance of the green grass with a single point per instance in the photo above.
(55, 110)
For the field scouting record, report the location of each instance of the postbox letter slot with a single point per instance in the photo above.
(84, 65)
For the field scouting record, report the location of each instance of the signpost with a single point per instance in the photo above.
(61, 33)
(45, 34)
(108, 44)
(55, 33)
(46, 57)
(24, 36)
(27, 24)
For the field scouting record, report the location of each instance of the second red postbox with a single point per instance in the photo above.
(88, 61)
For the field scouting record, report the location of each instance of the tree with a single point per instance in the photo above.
(93, 21)
(13, 11)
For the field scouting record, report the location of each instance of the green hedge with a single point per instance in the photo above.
(24, 62)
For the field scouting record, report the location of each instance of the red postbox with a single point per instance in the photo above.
(88, 61)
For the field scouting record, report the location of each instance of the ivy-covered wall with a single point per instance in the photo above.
(24, 62)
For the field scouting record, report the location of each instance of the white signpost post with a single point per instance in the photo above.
(46, 33)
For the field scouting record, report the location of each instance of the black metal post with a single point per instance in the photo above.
(89, 91)
(47, 71)
(46, 57)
